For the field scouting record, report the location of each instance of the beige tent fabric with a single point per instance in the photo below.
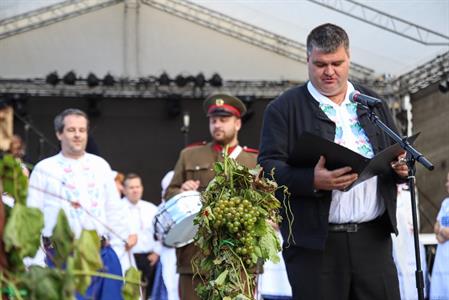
(6, 127)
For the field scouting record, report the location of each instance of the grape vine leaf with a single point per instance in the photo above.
(43, 283)
(22, 232)
(86, 258)
(131, 290)
(62, 239)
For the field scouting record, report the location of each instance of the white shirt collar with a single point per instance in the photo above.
(130, 204)
(66, 158)
(325, 100)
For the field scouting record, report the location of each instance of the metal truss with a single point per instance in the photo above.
(149, 87)
(386, 21)
(142, 88)
(429, 73)
(243, 31)
(50, 14)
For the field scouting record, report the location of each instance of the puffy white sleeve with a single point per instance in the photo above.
(36, 187)
(39, 197)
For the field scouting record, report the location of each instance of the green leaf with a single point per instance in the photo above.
(219, 180)
(62, 239)
(218, 168)
(261, 227)
(69, 288)
(22, 231)
(220, 281)
(131, 290)
(270, 246)
(87, 258)
(15, 183)
(43, 283)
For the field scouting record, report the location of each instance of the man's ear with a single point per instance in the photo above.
(58, 135)
(238, 123)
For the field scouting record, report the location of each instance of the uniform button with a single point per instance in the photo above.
(197, 168)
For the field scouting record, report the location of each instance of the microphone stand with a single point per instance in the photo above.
(42, 138)
(412, 157)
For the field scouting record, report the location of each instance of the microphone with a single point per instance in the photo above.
(186, 120)
(365, 100)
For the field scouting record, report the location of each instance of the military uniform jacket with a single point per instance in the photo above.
(196, 163)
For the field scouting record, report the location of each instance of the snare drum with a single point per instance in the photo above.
(173, 223)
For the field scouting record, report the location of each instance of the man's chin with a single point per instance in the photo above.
(222, 142)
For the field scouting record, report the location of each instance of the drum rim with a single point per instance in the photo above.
(169, 202)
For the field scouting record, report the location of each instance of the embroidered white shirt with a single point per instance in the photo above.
(361, 203)
(57, 182)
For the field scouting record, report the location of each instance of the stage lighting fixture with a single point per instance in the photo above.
(143, 83)
(108, 80)
(190, 78)
(164, 79)
(444, 86)
(92, 80)
(52, 78)
(69, 78)
(216, 80)
(200, 80)
(181, 81)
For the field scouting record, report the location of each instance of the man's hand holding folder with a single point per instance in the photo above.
(338, 179)
(339, 168)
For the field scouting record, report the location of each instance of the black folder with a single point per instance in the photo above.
(310, 147)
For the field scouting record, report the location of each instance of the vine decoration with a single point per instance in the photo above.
(235, 231)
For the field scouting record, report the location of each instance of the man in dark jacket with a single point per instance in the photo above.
(341, 246)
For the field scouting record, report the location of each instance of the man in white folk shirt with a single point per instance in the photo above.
(82, 185)
(146, 251)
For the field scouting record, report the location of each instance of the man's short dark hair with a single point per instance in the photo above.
(130, 176)
(327, 38)
(59, 119)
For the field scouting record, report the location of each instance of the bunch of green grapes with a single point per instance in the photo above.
(236, 218)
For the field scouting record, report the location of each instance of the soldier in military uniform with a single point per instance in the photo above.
(194, 169)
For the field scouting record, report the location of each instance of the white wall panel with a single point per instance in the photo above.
(94, 42)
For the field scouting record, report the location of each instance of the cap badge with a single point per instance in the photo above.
(219, 102)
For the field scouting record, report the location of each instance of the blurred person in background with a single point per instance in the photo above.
(146, 251)
(439, 286)
(81, 184)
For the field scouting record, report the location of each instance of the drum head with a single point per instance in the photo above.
(181, 234)
(174, 222)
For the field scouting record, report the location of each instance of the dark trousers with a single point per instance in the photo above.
(143, 264)
(353, 266)
(187, 285)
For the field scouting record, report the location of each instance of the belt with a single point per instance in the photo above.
(351, 227)
(347, 227)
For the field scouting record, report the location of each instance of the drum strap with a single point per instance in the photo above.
(235, 152)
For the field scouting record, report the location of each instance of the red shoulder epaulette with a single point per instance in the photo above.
(250, 150)
(196, 144)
